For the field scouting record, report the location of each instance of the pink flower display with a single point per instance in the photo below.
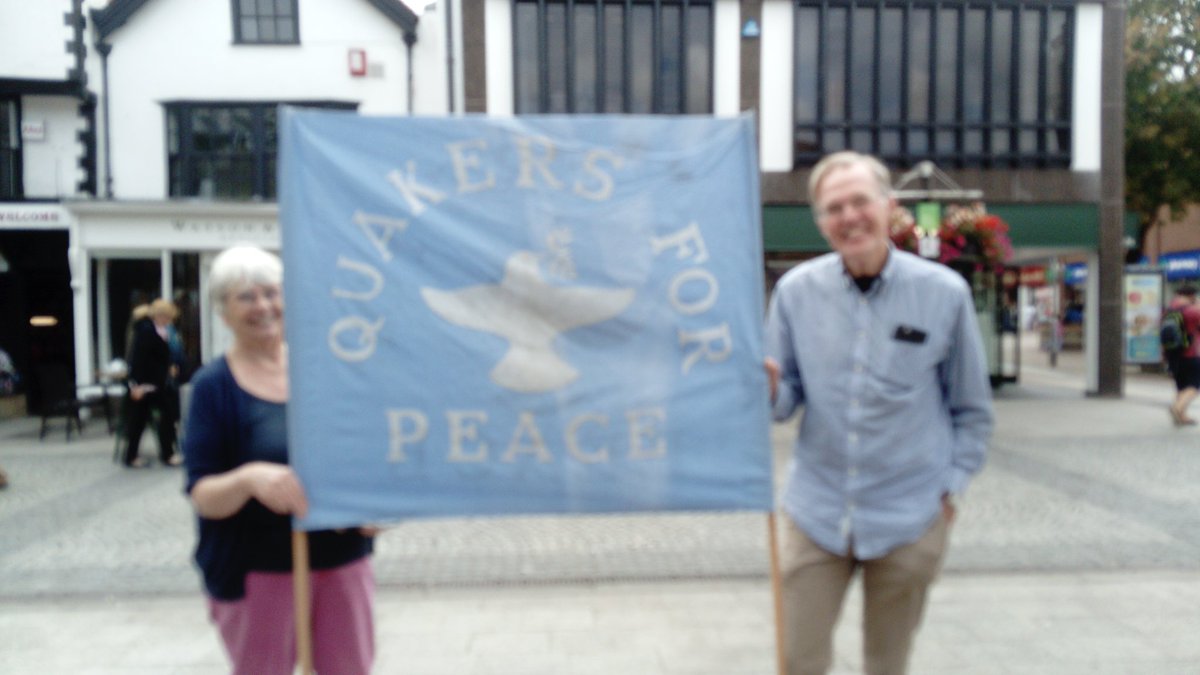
(967, 234)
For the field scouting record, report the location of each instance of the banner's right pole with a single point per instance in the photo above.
(777, 593)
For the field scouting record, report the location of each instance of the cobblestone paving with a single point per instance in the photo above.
(1071, 484)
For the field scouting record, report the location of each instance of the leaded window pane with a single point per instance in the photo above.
(1028, 143)
(614, 58)
(269, 174)
(527, 79)
(670, 65)
(835, 65)
(556, 63)
(172, 132)
(806, 142)
(1031, 31)
(889, 143)
(249, 30)
(641, 52)
(862, 66)
(808, 31)
(974, 65)
(10, 151)
(265, 21)
(698, 66)
(649, 56)
(947, 66)
(285, 29)
(1001, 90)
(1001, 142)
(918, 142)
(891, 63)
(586, 60)
(945, 143)
(919, 55)
(973, 142)
(1056, 63)
(224, 151)
(965, 83)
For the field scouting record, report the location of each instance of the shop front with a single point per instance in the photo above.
(130, 253)
(36, 321)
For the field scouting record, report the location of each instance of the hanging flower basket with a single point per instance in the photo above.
(968, 237)
(903, 230)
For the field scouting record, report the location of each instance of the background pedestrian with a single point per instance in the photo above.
(1183, 359)
(149, 386)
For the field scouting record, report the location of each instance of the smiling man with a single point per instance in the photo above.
(883, 351)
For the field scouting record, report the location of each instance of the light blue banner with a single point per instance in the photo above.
(523, 315)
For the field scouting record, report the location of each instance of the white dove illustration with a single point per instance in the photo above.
(529, 313)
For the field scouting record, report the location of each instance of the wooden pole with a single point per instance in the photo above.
(301, 595)
(777, 592)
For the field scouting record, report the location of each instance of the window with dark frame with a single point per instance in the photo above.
(10, 150)
(965, 84)
(225, 150)
(613, 56)
(266, 22)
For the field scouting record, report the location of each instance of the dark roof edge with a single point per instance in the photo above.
(112, 17)
(401, 15)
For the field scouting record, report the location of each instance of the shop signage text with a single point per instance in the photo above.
(225, 228)
(32, 216)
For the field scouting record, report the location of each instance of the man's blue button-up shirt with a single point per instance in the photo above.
(896, 396)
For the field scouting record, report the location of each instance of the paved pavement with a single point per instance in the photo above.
(1078, 551)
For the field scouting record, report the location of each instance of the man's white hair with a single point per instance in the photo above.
(844, 159)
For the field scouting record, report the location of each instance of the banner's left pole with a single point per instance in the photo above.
(301, 595)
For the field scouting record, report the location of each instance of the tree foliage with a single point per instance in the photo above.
(1162, 107)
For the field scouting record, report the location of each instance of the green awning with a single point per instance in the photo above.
(791, 228)
(1051, 225)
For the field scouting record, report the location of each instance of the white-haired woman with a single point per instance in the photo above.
(244, 493)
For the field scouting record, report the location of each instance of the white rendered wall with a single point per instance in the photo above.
(33, 39)
(460, 90)
(727, 58)
(498, 37)
(1085, 95)
(51, 164)
(182, 50)
(430, 74)
(775, 118)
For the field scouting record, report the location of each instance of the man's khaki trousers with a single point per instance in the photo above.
(894, 592)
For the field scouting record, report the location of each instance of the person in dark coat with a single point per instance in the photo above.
(149, 375)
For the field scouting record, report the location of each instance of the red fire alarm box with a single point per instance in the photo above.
(358, 62)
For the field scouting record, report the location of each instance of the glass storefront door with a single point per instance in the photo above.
(185, 293)
(124, 283)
